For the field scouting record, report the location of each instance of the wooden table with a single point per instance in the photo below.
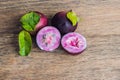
(100, 25)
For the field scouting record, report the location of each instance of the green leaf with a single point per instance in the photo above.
(72, 17)
(25, 43)
(29, 21)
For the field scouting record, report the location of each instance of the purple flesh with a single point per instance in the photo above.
(48, 38)
(74, 43)
(61, 22)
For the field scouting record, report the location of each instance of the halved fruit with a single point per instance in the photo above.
(48, 38)
(74, 43)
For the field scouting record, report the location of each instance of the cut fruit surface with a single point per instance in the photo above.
(48, 38)
(74, 43)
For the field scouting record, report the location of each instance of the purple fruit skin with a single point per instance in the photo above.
(45, 30)
(63, 24)
(42, 22)
(74, 52)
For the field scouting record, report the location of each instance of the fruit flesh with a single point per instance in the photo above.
(73, 43)
(48, 38)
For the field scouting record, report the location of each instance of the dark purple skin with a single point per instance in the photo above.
(63, 24)
(74, 43)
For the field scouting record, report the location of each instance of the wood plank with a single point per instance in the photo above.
(100, 24)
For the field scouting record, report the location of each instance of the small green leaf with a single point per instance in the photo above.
(72, 17)
(29, 21)
(25, 43)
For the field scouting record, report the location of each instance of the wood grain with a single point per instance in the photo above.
(100, 24)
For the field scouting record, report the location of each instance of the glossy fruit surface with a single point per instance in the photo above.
(65, 22)
(42, 22)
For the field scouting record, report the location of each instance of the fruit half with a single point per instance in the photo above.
(48, 38)
(74, 43)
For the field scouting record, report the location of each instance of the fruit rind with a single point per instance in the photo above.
(42, 22)
(62, 23)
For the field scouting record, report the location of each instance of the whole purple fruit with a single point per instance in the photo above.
(33, 21)
(65, 22)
